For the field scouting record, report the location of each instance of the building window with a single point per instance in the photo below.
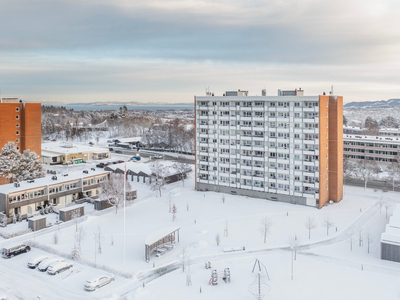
(326, 125)
(17, 125)
(17, 140)
(17, 148)
(17, 132)
(17, 117)
(17, 109)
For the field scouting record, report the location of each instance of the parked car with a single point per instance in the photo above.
(16, 250)
(120, 161)
(42, 267)
(158, 156)
(33, 263)
(110, 141)
(136, 157)
(53, 140)
(91, 143)
(100, 165)
(118, 151)
(111, 149)
(98, 282)
(59, 267)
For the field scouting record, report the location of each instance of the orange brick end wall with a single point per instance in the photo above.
(336, 148)
(31, 131)
(323, 151)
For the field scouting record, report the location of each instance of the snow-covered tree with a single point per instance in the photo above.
(394, 173)
(369, 236)
(30, 166)
(10, 162)
(113, 190)
(174, 210)
(182, 168)
(265, 227)
(366, 169)
(15, 166)
(157, 178)
(79, 237)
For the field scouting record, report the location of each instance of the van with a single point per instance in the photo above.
(16, 250)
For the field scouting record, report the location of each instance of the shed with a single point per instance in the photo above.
(161, 237)
(100, 204)
(67, 213)
(390, 239)
(37, 223)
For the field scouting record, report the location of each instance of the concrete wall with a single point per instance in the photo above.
(251, 193)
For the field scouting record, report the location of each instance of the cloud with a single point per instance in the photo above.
(172, 49)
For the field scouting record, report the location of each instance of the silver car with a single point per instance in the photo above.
(42, 267)
(98, 282)
(33, 263)
(59, 267)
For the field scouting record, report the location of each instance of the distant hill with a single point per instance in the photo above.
(374, 104)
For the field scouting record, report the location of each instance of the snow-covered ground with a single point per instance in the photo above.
(325, 267)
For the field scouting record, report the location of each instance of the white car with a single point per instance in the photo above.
(42, 267)
(98, 282)
(158, 156)
(59, 267)
(33, 263)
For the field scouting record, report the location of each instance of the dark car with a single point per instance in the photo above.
(16, 250)
(100, 165)
(120, 161)
(118, 151)
(111, 149)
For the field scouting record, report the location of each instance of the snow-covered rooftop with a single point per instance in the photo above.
(385, 139)
(130, 140)
(156, 236)
(392, 232)
(56, 147)
(142, 167)
(47, 181)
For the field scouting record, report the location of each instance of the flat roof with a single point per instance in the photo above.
(392, 231)
(73, 207)
(42, 182)
(158, 235)
(56, 147)
(370, 138)
(39, 217)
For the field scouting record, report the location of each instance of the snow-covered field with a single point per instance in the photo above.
(325, 267)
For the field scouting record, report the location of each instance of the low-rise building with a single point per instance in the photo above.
(381, 149)
(390, 239)
(26, 197)
(62, 153)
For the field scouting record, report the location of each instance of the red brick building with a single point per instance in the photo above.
(20, 123)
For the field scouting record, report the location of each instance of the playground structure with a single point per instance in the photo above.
(225, 275)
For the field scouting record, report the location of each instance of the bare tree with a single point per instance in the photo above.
(75, 215)
(55, 237)
(217, 239)
(387, 206)
(366, 169)
(226, 228)
(98, 239)
(360, 236)
(184, 257)
(381, 202)
(328, 224)
(113, 190)
(79, 237)
(174, 211)
(350, 234)
(265, 227)
(294, 243)
(310, 223)
(157, 178)
(223, 198)
(394, 172)
(182, 168)
(169, 202)
(370, 238)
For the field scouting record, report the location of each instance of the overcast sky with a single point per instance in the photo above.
(168, 51)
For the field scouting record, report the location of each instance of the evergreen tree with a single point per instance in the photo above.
(10, 162)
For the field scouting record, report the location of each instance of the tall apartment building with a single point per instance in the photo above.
(285, 148)
(20, 123)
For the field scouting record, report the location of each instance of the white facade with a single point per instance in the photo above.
(260, 146)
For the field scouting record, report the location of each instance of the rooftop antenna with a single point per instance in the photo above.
(332, 90)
